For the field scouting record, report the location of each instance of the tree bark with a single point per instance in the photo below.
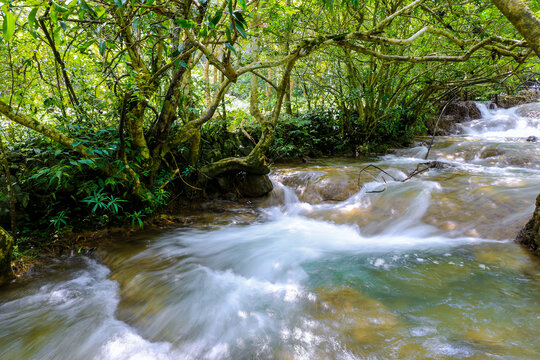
(11, 194)
(6, 251)
(523, 19)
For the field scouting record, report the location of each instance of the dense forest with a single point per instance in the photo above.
(112, 110)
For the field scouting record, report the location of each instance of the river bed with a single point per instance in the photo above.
(337, 263)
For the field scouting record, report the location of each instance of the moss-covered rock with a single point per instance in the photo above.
(245, 185)
(6, 250)
(530, 234)
(522, 97)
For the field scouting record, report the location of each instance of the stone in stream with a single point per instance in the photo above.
(360, 318)
(490, 152)
(532, 139)
(530, 234)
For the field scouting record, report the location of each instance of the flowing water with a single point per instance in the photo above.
(337, 263)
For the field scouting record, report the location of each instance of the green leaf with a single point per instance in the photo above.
(238, 16)
(228, 34)
(85, 46)
(32, 19)
(240, 29)
(59, 8)
(216, 18)
(242, 4)
(119, 3)
(8, 28)
(100, 11)
(54, 16)
(186, 24)
(102, 47)
(229, 46)
(180, 63)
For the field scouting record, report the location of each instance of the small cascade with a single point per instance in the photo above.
(518, 122)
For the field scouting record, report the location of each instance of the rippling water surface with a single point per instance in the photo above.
(337, 263)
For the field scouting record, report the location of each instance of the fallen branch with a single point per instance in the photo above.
(417, 171)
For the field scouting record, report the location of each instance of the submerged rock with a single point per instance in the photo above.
(532, 139)
(530, 234)
(362, 320)
(490, 152)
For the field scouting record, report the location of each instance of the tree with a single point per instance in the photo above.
(138, 59)
(519, 14)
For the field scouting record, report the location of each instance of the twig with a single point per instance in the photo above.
(376, 167)
(437, 126)
(177, 171)
(415, 172)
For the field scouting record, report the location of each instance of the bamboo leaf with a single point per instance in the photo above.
(230, 47)
(8, 28)
(32, 19)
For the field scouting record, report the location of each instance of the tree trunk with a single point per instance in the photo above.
(523, 19)
(6, 250)
(49, 132)
(207, 82)
(11, 194)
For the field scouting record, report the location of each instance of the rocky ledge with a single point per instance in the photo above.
(530, 234)
(454, 113)
(522, 97)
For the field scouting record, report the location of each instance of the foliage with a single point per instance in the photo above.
(111, 109)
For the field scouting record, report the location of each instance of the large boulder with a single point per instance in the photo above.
(530, 234)
(244, 184)
(454, 113)
(6, 250)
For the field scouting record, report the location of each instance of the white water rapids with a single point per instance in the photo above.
(336, 264)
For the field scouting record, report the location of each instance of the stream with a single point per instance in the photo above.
(337, 263)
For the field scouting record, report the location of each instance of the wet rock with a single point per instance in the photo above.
(490, 152)
(299, 179)
(456, 112)
(530, 234)
(532, 139)
(245, 185)
(328, 190)
(522, 97)
(529, 110)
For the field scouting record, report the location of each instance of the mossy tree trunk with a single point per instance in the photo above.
(523, 19)
(6, 251)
